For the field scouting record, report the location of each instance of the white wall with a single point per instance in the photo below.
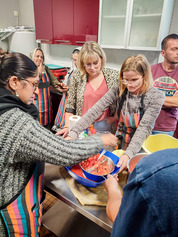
(7, 8)
(26, 12)
(174, 21)
(7, 18)
(61, 54)
(25, 17)
(23, 7)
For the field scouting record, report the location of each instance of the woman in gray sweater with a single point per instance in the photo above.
(25, 145)
(138, 106)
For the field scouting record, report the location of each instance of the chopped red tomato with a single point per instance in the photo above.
(101, 168)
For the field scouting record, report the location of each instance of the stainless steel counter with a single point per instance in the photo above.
(57, 186)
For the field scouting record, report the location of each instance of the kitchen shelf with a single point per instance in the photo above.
(146, 15)
(114, 17)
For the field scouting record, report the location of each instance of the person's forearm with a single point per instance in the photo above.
(171, 101)
(94, 112)
(113, 204)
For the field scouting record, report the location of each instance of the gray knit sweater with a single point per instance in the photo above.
(153, 102)
(23, 141)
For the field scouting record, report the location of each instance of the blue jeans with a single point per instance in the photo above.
(102, 126)
(170, 133)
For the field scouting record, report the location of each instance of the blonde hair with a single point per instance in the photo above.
(141, 66)
(88, 50)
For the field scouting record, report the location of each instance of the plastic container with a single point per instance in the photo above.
(159, 142)
(76, 172)
(90, 128)
(59, 73)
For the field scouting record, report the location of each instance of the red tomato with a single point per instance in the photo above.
(101, 168)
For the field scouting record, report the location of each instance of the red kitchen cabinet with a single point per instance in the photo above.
(43, 20)
(86, 14)
(71, 22)
(75, 21)
(63, 21)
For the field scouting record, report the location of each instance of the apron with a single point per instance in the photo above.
(60, 116)
(127, 123)
(126, 128)
(22, 216)
(43, 101)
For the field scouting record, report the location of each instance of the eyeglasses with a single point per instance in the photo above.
(34, 84)
(89, 65)
(132, 81)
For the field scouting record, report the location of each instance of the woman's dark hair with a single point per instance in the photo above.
(75, 51)
(16, 64)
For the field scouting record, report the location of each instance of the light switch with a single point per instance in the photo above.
(16, 13)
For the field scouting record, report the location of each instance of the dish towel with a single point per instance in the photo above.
(85, 195)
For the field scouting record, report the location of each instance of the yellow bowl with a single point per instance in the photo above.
(159, 142)
(119, 152)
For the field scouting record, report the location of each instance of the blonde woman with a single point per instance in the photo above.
(138, 106)
(88, 84)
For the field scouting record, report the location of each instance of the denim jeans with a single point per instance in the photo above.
(170, 133)
(102, 126)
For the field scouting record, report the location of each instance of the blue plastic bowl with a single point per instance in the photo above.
(83, 181)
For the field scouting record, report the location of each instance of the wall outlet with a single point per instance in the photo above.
(16, 13)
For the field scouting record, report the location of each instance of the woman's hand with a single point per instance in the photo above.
(123, 162)
(111, 183)
(61, 87)
(63, 132)
(68, 138)
(41, 68)
(109, 139)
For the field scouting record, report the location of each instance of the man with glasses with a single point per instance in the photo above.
(165, 77)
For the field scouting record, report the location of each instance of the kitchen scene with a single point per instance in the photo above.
(88, 118)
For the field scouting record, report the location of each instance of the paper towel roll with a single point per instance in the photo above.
(73, 120)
